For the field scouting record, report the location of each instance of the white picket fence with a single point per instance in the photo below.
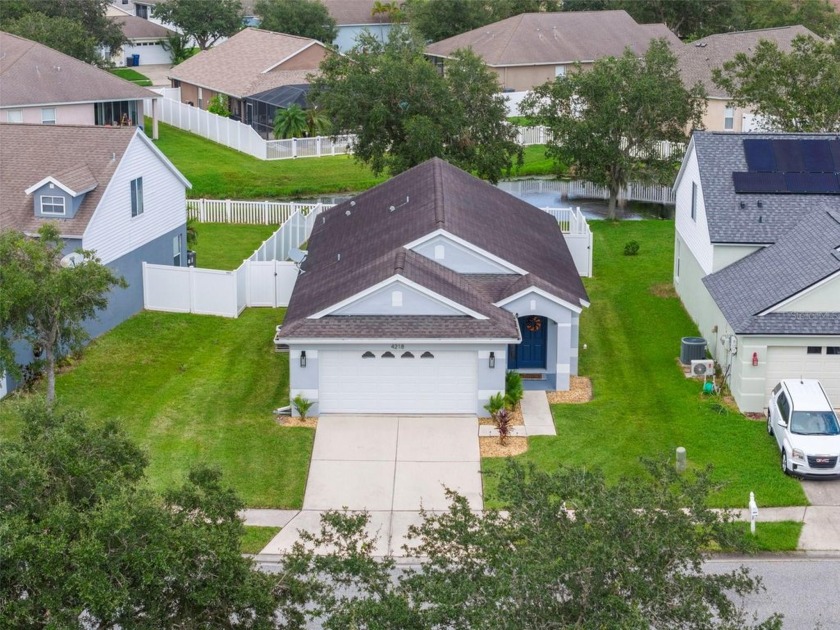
(251, 212)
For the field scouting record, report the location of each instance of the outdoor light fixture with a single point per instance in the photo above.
(303, 358)
(492, 360)
(755, 358)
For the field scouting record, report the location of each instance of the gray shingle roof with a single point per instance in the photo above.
(370, 239)
(33, 74)
(134, 27)
(82, 154)
(354, 12)
(697, 59)
(547, 38)
(800, 258)
(721, 154)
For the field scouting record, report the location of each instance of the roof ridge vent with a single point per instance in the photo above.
(399, 261)
(437, 176)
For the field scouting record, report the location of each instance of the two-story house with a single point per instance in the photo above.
(757, 257)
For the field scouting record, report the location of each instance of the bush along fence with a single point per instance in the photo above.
(241, 137)
(268, 277)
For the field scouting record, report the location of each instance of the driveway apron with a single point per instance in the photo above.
(390, 466)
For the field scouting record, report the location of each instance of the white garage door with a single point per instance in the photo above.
(784, 362)
(397, 381)
(150, 54)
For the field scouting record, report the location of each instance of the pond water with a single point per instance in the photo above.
(532, 191)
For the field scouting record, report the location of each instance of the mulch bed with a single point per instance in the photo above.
(490, 447)
(288, 421)
(580, 391)
(516, 419)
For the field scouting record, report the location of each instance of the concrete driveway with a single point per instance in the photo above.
(389, 466)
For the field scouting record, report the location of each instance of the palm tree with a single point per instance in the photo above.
(317, 122)
(290, 122)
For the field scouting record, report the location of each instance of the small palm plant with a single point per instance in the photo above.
(317, 122)
(514, 391)
(303, 406)
(502, 419)
(290, 122)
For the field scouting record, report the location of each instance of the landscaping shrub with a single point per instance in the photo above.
(513, 390)
(496, 403)
(631, 248)
(302, 405)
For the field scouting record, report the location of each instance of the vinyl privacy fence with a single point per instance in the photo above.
(268, 277)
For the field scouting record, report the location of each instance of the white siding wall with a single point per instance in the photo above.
(824, 298)
(409, 302)
(458, 257)
(725, 255)
(112, 231)
(694, 232)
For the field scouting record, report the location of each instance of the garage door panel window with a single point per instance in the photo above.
(388, 355)
(368, 355)
(407, 355)
(835, 350)
(427, 355)
(814, 350)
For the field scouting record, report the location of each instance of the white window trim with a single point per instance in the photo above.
(728, 115)
(63, 205)
(136, 200)
(694, 201)
(47, 121)
(12, 114)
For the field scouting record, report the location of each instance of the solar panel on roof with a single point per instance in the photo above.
(788, 155)
(759, 182)
(816, 155)
(834, 145)
(812, 183)
(759, 154)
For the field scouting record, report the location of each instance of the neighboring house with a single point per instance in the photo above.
(697, 60)
(419, 294)
(109, 190)
(353, 17)
(529, 49)
(251, 62)
(757, 257)
(145, 39)
(39, 85)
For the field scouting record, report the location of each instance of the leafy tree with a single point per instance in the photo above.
(795, 91)
(306, 18)
(438, 19)
(403, 111)
(91, 28)
(203, 25)
(570, 551)
(60, 33)
(607, 122)
(290, 122)
(318, 123)
(391, 11)
(816, 15)
(178, 47)
(43, 302)
(218, 106)
(86, 544)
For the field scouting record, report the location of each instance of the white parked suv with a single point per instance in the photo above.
(806, 428)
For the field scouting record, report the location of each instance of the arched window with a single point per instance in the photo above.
(388, 355)
(427, 355)
(407, 355)
(368, 355)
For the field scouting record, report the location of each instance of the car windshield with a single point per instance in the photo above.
(814, 423)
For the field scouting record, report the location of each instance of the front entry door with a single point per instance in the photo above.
(531, 353)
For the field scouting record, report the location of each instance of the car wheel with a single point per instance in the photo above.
(785, 462)
(769, 425)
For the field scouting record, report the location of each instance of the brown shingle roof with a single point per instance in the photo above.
(80, 155)
(549, 38)
(33, 74)
(360, 243)
(698, 58)
(242, 64)
(134, 27)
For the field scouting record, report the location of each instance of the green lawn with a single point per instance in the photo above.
(132, 75)
(226, 245)
(643, 406)
(191, 388)
(774, 536)
(256, 538)
(217, 172)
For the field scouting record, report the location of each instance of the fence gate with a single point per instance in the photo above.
(262, 287)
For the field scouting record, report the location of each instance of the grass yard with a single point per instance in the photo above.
(643, 406)
(256, 538)
(226, 245)
(773, 536)
(217, 172)
(192, 388)
(132, 75)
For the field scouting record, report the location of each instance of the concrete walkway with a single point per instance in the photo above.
(157, 74)
(268, 518)
(537, 414)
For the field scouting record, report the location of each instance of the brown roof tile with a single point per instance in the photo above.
(93, 152)
(353, 12)
(33, 74)
(134, 27)
(242, 65)
(697, 59)
(549, 38)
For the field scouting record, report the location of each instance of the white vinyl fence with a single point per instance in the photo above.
(267, 277)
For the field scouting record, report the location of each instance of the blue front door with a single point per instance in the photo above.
(531, 353)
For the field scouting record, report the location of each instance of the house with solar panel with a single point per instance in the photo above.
(757, 257)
